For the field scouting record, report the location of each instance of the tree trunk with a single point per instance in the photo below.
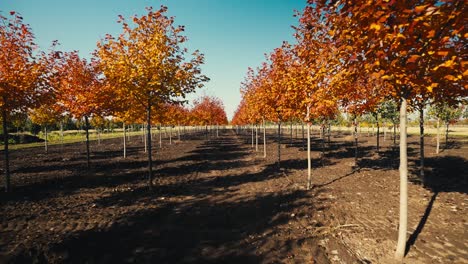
(170, 135)
(378, 135)
(264, 139)
(309, 161)
(446, 133)
(355, 142)
(421, 144)
(394, 133)
(252, 129)
(124, 140)
(150, 156)
(303, 137)
(217, 130)
(329, 132)
(145, 138)
(178, 131)
(438, 136)
(160, 137)
(403, 223)
(279, 144)
(256, 138)
(5, 150)
(291, 134)
(45, 139)
(61, 133)
(88, 162)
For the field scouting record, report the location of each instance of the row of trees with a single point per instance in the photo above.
(357, 57)
(140, 75)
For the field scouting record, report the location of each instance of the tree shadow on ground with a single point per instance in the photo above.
(189, 231)
(443, 174)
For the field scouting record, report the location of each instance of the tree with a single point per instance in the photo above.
(21, 74)
(148, 64)
(82, 93)
(393, 40)
(448, 115)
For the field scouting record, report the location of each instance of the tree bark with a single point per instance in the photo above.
(446, 133)
(124, 140)
(438, 136)
(170, 135)
(421, 144)
(355, 142)
(45, 139)
(264, 139)
(252, 130)
(309, 161)
(291, 134)
(5, 150)
(378, 135)
(403, 222)
(279, 143)
(256, 138)
(394, 133)
(88, 162)
(150, 156)
(145, 138)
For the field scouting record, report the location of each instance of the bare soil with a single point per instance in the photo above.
(218, 200)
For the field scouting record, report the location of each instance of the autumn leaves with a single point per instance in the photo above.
(354, 55)
(137, 73)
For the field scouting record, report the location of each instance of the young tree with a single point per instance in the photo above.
(82, 93)
(393, 39)
(149, 65)
(22, 80)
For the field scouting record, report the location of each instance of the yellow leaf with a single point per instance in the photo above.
(375, 26)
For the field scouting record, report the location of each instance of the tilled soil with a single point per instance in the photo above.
(217, 200)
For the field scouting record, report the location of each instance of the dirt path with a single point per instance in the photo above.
(215, 203)
(220, 201)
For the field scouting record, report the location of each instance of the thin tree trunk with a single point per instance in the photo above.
(264, 139)
(252, 129)
(309, 161)
(291, 134)
(5, 150)
(170, 135)
(124, 140)
(279, 143)
(150, 156)
(217, 130)
(403, 222)
(303, 138)
(394, 134)
(256, 138)
(45, 139)
(446, 134)
(421, 144)
(61, 133)
(438, 136)
(355, 142)
(178, 131)
(160, 137)
(378, 136)
(146, 138)
(88, 162)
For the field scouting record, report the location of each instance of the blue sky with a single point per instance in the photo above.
(233, 34)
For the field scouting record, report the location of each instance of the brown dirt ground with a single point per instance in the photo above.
(220, 201)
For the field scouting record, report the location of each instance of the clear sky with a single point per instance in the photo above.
(233, 34)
